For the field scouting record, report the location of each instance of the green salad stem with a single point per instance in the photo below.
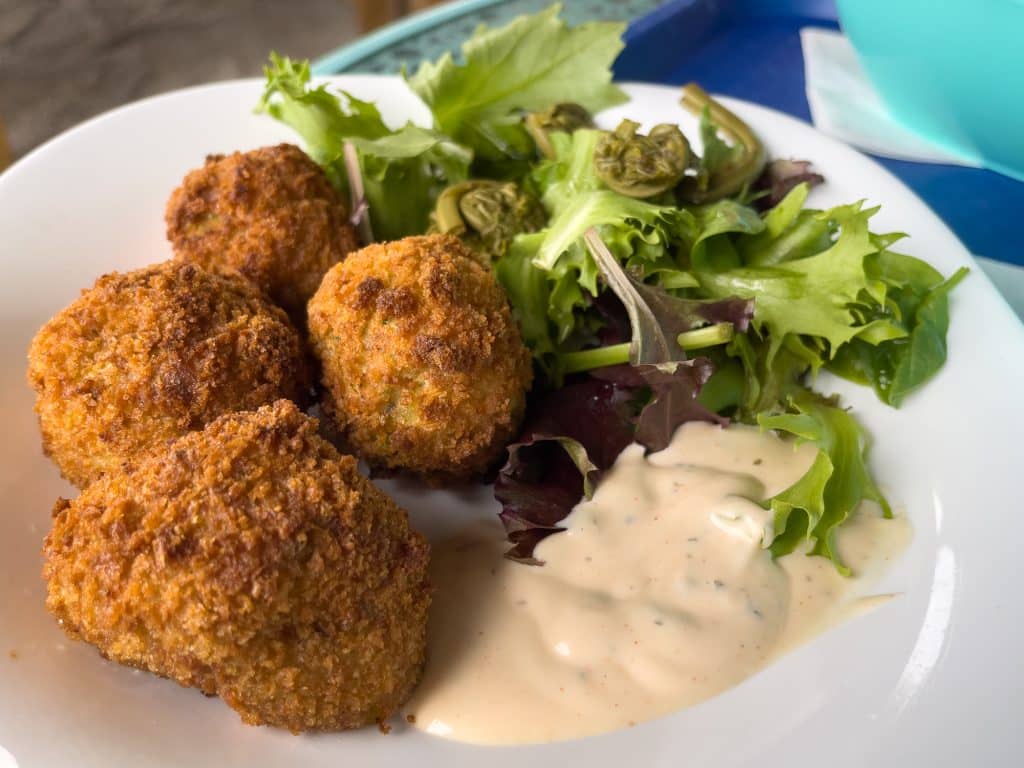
(598, 357)
(709, 336)
(616, 354)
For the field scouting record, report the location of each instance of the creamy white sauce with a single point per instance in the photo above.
(657, 596)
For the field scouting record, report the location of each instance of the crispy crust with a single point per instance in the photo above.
(422, 362)
(251, 561)
(270, 214)
(146, 356)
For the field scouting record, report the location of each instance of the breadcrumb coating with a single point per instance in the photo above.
(252, 561)
(270, 214)
(423, 365)
(146, 356)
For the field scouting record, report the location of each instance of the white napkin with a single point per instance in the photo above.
(846, 106)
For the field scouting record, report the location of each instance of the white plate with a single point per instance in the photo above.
(933, 678)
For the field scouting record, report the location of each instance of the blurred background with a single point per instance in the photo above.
(62, 61)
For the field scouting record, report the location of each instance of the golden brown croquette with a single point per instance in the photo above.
(423, 365)
(270, 214)
(146, 356)
(252, 561)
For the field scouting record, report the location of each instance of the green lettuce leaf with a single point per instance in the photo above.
(811, 509)
(633, 222)
(403, 170)
(790, 232)
(637, 231)
(768, 384)
(917, 309)
(403, 173)
(710, 252)
(529, 64)
(324, 120)
(529, 292)
(550, 304)
(811, 296)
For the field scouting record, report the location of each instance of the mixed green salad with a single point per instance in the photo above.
(653, 284)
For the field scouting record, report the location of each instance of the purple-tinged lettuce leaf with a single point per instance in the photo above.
(675, 315)
(574, 434)
(674, 389)
(358, 205)
(667, 395)
(653, 338)
(780, 177)
(656, 317)
(597, 414)
(571, 436)
(662, 326)
(540, 483)
(672, 312)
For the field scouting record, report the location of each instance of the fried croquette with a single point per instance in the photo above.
(252, 561)
(423, 366)
(270, 214)
(146, 356)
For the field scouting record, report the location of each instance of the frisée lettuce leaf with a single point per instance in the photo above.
(813, 507)
(810, 296)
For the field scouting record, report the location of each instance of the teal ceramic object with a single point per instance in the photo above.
(951, 70)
